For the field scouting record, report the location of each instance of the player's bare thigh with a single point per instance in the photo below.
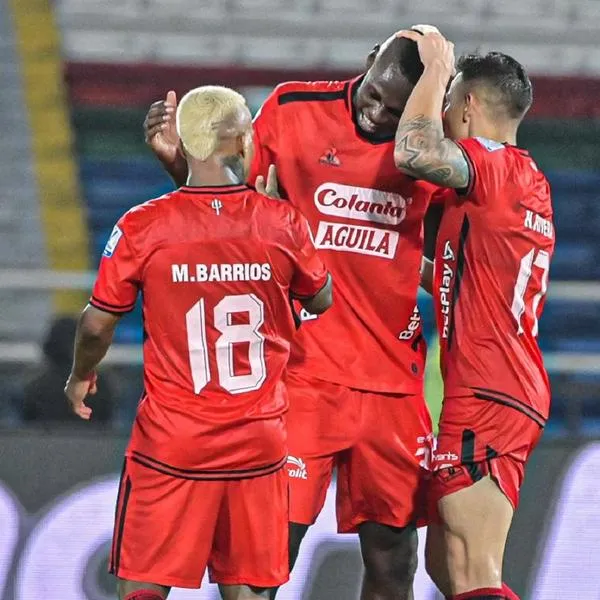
(475, 524)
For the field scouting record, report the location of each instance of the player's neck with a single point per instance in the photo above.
(206, 175)
(502, 134)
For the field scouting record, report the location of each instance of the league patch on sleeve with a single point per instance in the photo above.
(112, 243)
(490, 145)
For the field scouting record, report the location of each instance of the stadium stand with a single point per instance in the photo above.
(21, 236)
(123, 54)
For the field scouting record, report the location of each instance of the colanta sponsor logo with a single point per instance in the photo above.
(362, 204)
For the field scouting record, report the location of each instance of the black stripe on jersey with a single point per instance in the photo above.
(298, 297)
(460, 267)
(215, 190)
(117, 506)
(116, 559)
(311, 96)
(347, 98)
(109, 305)
(107, 308)
(162, 467)
(467, 449)
(506, 400)
(467, 190)
(490, 453)
(467, 455)
(297, 319)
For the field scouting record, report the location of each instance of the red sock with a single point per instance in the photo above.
(481, 594)
(508, 593)
(144, 595)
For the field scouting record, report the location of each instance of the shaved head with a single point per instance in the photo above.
(400, 55)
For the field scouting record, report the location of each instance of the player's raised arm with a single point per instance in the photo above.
(160, 134)
(422, 150)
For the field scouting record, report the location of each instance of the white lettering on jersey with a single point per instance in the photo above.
(413, 325)
(220, 272)
(363, 204)
(297, 470)
(355, 238)
(112, 243)
(538, 224)
(445, 287)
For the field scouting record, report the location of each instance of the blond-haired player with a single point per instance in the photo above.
(203, 483)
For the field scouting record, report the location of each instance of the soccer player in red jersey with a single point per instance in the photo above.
(493, 253)
(356, 373)
(215, 262)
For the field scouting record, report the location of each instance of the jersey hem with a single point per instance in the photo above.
(498, 397)
(204, 474)
(306, 372)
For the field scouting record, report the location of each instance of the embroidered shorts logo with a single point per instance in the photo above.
(426, 444)
(296, 468)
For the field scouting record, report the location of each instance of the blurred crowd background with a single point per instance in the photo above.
(76, 79)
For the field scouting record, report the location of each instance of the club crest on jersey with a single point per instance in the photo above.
(490, 145)
(330, 157)
(216, 205)
(112, 243)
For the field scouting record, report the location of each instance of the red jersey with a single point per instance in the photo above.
(215, 267)
(493, 254)
(367, 219)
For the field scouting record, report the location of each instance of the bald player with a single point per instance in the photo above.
(217, 263)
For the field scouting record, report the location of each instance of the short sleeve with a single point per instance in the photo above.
(265, 136)
(310, 273)
(487, 168)
(118, 281)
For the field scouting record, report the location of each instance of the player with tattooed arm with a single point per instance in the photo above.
(490, 276)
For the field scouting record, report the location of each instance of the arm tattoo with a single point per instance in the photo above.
(423, 152)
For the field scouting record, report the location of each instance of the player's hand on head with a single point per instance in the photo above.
(77, 390)
(434, 48)
(160, 128)
(271, 187)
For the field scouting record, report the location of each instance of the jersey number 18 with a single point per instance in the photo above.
(247, 333)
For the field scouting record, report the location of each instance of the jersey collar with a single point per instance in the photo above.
(215, 189)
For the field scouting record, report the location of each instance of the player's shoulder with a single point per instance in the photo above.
(309, 91)
(145, 214)
(275, 210)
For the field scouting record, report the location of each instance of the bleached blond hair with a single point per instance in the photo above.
(203, 117)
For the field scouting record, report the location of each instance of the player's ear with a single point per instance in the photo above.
(468, 107)
(371, 56)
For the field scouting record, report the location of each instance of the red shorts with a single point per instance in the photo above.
(380, 444)
(478, 438)
(169, 529)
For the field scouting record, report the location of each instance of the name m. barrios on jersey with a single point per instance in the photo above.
(359, 204)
